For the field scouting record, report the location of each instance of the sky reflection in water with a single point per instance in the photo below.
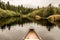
(17, 32)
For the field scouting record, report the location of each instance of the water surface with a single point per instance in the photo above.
(17, 30)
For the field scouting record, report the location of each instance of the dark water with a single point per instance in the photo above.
(17, 28)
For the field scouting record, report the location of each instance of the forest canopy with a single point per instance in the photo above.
(8, 10)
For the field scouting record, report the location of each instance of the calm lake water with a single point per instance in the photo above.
(16, 30)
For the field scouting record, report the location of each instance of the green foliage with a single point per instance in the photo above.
(47, 12)
(18, 8)
(7, 13)
(27, 10)
(11, 10)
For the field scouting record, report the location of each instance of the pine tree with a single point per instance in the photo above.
(8, 5)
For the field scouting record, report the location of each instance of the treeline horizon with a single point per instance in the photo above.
(8, 10)
(8, 6)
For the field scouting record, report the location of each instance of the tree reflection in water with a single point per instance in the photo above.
(8, 22)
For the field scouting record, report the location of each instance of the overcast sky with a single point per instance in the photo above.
(33, 3)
